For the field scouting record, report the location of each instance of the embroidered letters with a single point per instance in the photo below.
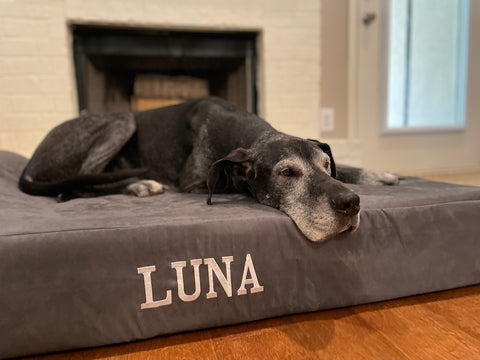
(224, 277)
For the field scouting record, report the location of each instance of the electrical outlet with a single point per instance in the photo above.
(327, 119)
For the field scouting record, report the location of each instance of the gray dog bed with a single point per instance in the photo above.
(81, 273)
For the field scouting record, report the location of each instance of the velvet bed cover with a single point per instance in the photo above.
(91, 272)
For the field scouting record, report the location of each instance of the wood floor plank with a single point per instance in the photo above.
(461, 308)
(260, 340)
(336, 334)
(421, 331)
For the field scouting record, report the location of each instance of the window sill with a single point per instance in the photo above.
(422, 130)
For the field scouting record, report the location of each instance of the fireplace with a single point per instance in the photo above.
(137, 69)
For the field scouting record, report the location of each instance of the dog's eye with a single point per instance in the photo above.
(326, 164)
(286, 172)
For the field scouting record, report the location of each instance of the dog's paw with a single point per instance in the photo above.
(145, 188)
(372, 177)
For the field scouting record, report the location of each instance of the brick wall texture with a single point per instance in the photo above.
(37, 83)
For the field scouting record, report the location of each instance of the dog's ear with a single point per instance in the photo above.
(236, 167)
(326, 149)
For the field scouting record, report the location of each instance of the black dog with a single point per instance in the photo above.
(200, 146)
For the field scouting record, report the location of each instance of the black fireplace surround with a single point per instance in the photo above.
(108, 59)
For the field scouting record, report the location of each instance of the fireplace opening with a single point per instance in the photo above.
(136, 69)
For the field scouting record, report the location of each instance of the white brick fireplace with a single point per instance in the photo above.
(37, 81)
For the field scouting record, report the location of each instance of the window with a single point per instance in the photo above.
(426, 64)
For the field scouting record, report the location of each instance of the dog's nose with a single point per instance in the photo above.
(346, 202)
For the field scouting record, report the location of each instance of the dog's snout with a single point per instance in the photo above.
(346, 202)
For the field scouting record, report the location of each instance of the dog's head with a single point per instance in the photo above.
(296, 176)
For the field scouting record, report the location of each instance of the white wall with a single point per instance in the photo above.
(37, 85)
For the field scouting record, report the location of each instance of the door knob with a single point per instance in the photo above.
(368, 18)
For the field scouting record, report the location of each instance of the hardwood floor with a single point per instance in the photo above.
(465, 178)
(440, 326)
(444, 325)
